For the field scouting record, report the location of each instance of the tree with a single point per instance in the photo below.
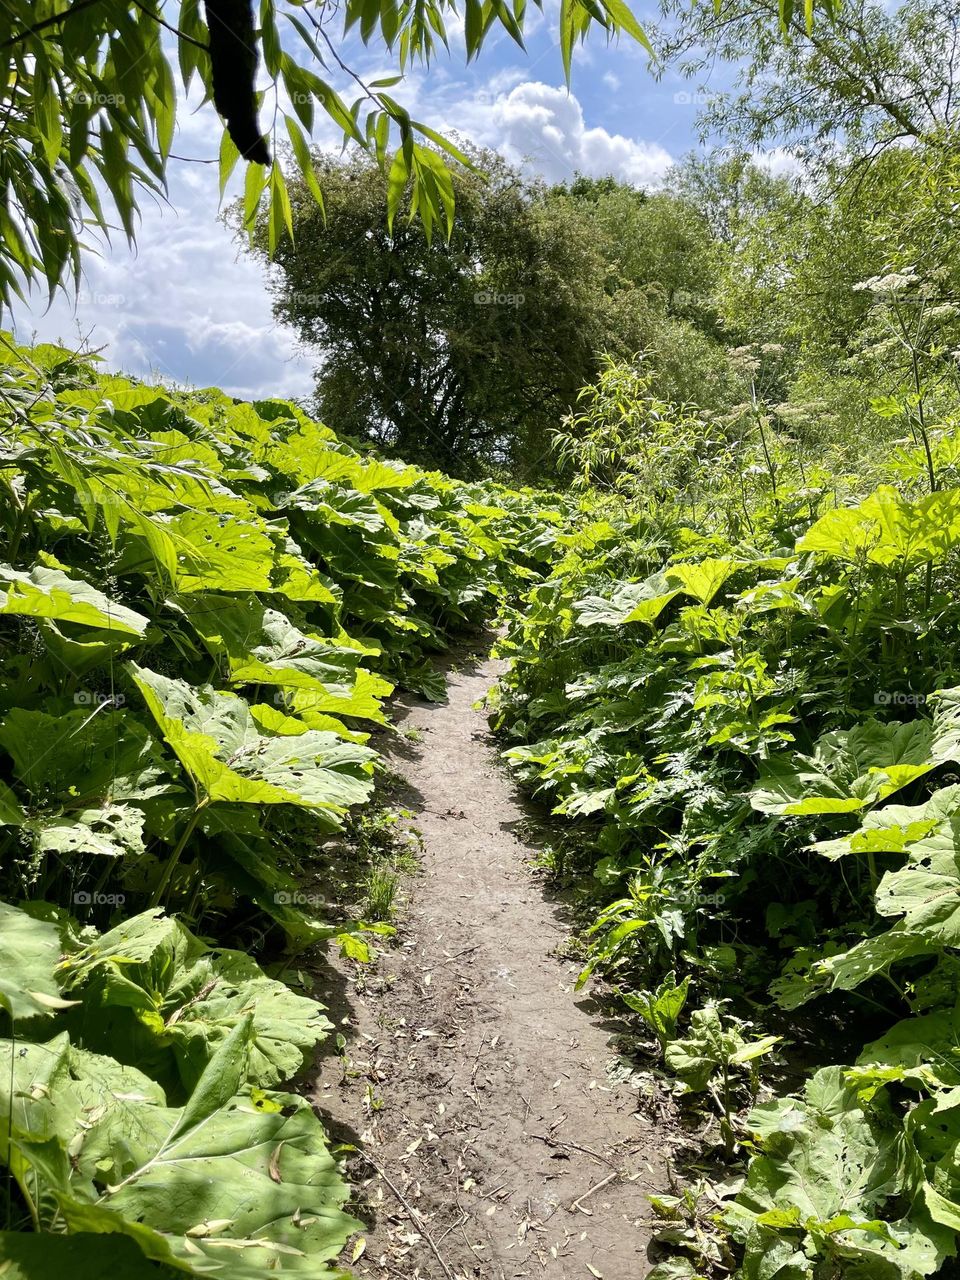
(668, 260)
(871, 79)
(792, 272)
(464, 354)
(89, 105)
(660, 240)
(460, 354)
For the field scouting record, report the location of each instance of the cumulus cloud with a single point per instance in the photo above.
(185, 305)
(184, 308)
(545, 127)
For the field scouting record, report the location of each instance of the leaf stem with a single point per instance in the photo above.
(174, 858)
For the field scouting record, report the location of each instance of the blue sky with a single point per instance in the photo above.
(188, 305)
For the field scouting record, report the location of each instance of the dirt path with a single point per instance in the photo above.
(477, 1078)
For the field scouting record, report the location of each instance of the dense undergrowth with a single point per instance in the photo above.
(743, 695)
(203, 606)
(735, 676)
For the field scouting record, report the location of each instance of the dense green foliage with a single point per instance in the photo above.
(734, 679)
(203, 605)
(461, 355)
(739, 686)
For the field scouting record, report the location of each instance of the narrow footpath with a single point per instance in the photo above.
(477, 1078)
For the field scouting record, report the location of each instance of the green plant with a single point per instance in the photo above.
(660, 1008)
(380, 893)
(751, 701)
(709, 1056)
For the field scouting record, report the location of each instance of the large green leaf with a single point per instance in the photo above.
(629, 602)
(153, 991)
(223, 552)
(83, 756)
(231, 759)
(828, 1170)
(926, 1048)
(705, 578)
(926, 890)
(50, 593)
(29, 954)
(848, 771)
(80, 1257)
(109, 831)
(887, 529)
(11, 814)
(895, 827)
(262, 646)
(362, 700)
(221, 1186)
(846, 970)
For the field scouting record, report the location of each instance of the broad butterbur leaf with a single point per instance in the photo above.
(217, 1187)
(151, 988)
(50, 593)
(231, 759)
(29, 954)
(849, 770)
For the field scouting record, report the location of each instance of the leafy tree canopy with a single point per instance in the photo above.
(874, 77)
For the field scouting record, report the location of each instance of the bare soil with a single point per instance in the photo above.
(477, 1078)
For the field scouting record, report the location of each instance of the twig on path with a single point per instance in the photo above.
(453, 1226)
(476, 1061)
(573, 1146)
(465, 952)
(465, 1218)
(415, 1215)
(577, 1204)
(488, 1194)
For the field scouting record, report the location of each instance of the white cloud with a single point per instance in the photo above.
(544, 127)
